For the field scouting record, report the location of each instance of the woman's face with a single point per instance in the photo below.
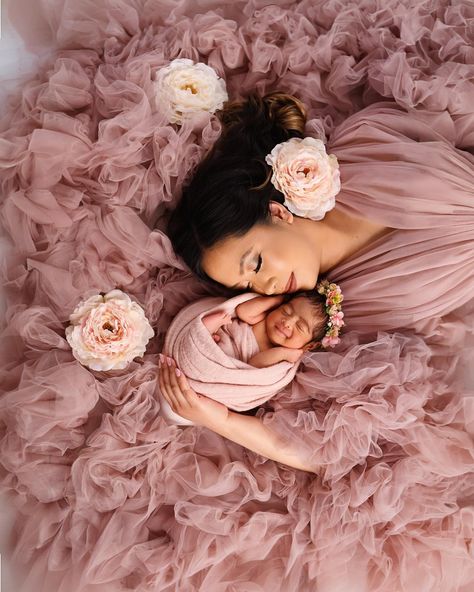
(271, 258)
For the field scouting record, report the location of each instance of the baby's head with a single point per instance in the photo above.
(303, 320)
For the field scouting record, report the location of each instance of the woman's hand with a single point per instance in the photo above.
(184, 401)
(245, 430)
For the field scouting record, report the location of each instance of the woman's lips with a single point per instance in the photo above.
(291, 285)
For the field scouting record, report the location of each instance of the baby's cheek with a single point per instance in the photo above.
(272, 317)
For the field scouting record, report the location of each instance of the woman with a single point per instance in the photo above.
(400, 240)
(109, 497)
(404, 183)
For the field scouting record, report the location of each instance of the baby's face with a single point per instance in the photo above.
(292, 324)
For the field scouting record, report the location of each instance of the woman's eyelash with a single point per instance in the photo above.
(259, 264)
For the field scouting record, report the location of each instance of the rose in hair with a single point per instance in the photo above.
(306, 175)
(183, 88)
(107, 332)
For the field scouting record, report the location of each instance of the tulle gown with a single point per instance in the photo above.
(108, 496)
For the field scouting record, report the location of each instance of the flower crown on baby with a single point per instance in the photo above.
(333, 294)
(307, 176)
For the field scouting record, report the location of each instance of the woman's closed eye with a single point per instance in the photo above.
(256, 269)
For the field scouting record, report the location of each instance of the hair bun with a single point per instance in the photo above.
(286, 111)
(257, 123)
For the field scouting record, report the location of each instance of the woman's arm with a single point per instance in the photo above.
(245, 430)
(253, 311)
(250, 432)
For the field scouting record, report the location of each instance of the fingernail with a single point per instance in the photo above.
(161, 358)
(178, 372)
(170, 361)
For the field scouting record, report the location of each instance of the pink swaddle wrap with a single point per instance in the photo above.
(220, 371)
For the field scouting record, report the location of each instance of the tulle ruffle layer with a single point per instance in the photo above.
(104, 485)
(111, 498)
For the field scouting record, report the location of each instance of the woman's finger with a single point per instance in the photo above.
(183, 393)
(178, 393)
(188, 393)
(169, 377)
(164, 381)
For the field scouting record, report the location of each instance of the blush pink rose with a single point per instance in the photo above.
(330, 341)
(107, 332)
(183, 88)
(337, 320)
(306, 175)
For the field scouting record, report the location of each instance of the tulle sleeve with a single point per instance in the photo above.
(406, 169)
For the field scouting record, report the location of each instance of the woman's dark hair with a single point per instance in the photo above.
(231, 189)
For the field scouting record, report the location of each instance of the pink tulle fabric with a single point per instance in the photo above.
(108, 496)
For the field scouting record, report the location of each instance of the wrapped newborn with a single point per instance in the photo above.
(242, 351)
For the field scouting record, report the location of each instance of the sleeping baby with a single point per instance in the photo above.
(282, 330)
(242, 351)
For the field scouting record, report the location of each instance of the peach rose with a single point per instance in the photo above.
(306, 175)
(107, 332)
(184, 88)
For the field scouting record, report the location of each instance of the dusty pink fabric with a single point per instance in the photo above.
(218, 374)
(108, 496)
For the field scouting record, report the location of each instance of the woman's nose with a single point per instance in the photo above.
(269, 286)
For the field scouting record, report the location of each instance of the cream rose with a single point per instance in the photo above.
(107, 332)
(184, 88)
(306, 175)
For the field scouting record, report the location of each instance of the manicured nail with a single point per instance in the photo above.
(178, 372)
(161, 358)
(170, 361)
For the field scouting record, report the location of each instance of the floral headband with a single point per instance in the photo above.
(306, 175)
(334, 298)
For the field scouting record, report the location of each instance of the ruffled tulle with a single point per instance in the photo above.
(108, 496)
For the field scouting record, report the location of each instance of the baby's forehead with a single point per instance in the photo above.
(311, 311)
